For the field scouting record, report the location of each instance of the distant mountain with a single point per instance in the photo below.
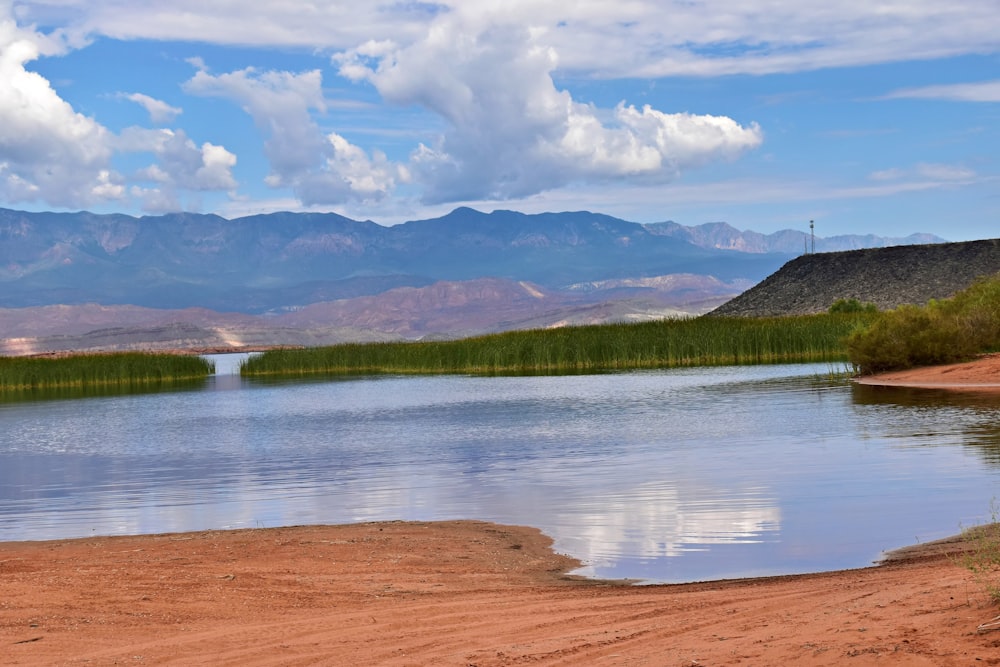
(441, 310)
(272, 262)
(722, 236)
(81, 280)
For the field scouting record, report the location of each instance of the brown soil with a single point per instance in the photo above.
(983, 374)
(470, 593)
(457, 593)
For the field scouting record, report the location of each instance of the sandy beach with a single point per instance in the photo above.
(980, 375)
(468, 593)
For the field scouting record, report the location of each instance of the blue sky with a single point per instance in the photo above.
(874, 116)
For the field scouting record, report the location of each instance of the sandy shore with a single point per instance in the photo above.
(464, 593)
(983, 374)
(456, 593)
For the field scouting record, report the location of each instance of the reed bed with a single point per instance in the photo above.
(704, 341)
(127, 369)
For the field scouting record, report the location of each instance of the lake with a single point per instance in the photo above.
(662, 476)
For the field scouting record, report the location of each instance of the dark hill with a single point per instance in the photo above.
(887, 277)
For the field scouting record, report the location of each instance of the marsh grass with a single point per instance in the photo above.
(705, 341)
(87, 371)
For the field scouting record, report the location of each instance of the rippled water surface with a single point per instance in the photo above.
(664, 476)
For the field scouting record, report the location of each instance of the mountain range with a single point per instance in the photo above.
(308, 278)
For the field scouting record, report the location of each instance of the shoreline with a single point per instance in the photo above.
(472, 593)
(980, 375)
(458, 593)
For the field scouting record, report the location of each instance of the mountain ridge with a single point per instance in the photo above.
(318, 278)
(271, 261)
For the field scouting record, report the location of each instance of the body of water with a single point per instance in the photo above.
(674, 475)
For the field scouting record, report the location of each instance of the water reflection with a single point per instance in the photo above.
(99, 391)
(932, 417)
(664, 476)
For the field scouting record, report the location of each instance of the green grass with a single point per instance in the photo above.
(705, 341)
(129, 369)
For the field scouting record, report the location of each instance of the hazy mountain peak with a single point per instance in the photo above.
(723, 236)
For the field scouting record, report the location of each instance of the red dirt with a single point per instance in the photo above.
(456, 593)
(983, 374)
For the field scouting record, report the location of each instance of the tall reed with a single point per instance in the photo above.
(705, 341)
(96, 370)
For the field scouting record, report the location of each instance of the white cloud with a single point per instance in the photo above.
(927, 172)
(511, 132)
(179, 161)
(48, 152)
(985, 91)
(180, 165)
(646, 38)
(156, 200)
(945, 172)
(486, 67)
(215, 170)
(319, 169)
(159, 111)
(280, 104)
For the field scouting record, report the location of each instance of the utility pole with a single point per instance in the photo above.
(812, 236)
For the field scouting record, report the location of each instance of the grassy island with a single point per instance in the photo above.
(703, 341)
(127, 369)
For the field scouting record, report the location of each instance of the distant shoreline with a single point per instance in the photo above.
(62, 354)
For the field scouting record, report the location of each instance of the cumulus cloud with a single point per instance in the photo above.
(51, 153)
(180, 165)
(48, 151)
(159, 111)
(487, 68)
(511, 132)
(179, 161)
(320, 169)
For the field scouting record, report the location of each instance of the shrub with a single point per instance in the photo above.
(852, 306)
(945, 331)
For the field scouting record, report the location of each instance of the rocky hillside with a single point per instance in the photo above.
(887, 277)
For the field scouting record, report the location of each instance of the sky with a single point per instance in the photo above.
(865, 116)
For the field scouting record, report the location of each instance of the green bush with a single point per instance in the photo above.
(944, 331)
(852, 306)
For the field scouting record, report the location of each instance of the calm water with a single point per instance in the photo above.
(663, 476)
